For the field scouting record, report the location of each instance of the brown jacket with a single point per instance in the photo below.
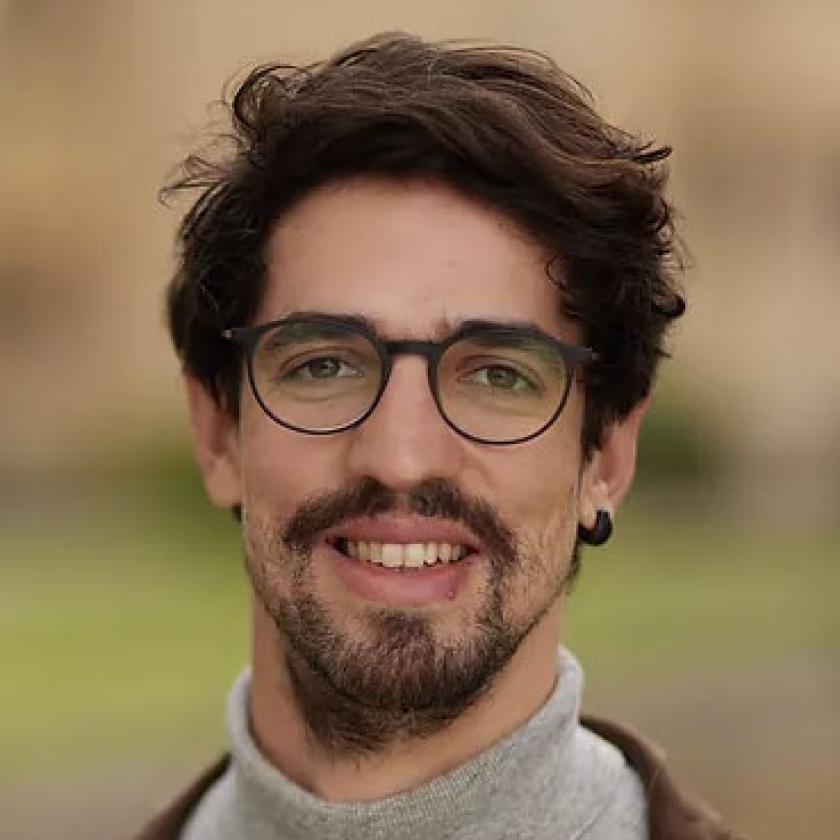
(673, 813)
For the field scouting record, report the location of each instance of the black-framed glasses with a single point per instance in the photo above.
(492, 383)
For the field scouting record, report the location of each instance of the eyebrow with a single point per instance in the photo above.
(445, 328)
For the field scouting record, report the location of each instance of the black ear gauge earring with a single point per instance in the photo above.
(600, 532)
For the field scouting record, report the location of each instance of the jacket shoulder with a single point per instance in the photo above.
(674, 812)
(168, 823)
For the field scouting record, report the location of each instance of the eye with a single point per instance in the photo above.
(501, 378)
(322, 368)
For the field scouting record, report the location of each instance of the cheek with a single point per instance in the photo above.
(546, 520)
(542, 508)
(281, 468)
(541, 486)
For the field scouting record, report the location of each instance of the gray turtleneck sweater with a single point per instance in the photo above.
(551, 779)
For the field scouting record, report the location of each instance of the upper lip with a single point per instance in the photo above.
(402, 528)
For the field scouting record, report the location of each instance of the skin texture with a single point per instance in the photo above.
(416, 258)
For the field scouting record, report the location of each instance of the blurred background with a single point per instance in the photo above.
(710, 621)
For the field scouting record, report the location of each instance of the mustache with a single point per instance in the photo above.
(433, 498)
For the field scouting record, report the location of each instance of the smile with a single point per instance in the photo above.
(393, 555)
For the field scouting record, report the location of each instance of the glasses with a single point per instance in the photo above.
(492, 383)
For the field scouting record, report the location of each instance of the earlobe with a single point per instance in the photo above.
(600, 532)
(609, 472)
(215, 440)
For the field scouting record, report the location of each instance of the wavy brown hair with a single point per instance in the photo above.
(504, 126)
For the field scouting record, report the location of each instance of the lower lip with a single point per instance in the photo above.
(401, 587)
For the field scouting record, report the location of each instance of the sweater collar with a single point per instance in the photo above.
(544, 744)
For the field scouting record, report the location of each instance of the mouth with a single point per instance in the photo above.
(402, 556)
(403, 561)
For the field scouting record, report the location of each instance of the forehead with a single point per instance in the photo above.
(414, 257)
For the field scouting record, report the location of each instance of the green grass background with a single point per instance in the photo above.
(121, 634)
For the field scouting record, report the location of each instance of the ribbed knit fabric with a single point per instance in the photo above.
(549, 780)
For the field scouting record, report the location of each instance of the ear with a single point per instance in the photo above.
(608, 473)
(216, 442)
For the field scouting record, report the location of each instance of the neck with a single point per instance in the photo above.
(282, 736)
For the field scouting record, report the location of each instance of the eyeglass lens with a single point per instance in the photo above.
(496, 386)
(492, 385)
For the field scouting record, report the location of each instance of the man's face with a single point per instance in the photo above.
(416, 259)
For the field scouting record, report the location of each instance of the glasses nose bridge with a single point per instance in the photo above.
(429, 350)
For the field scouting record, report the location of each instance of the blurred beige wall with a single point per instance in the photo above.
(100, 99)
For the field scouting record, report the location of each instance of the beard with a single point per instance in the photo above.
(394, 678)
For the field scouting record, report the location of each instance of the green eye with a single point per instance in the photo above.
(501, 378)
(322, 368)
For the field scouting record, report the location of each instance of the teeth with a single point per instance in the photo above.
(404, 555)
(392, 555)
(414, 555)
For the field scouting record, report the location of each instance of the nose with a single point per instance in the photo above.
(405, 440)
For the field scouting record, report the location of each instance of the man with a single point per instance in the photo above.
(419, 308)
